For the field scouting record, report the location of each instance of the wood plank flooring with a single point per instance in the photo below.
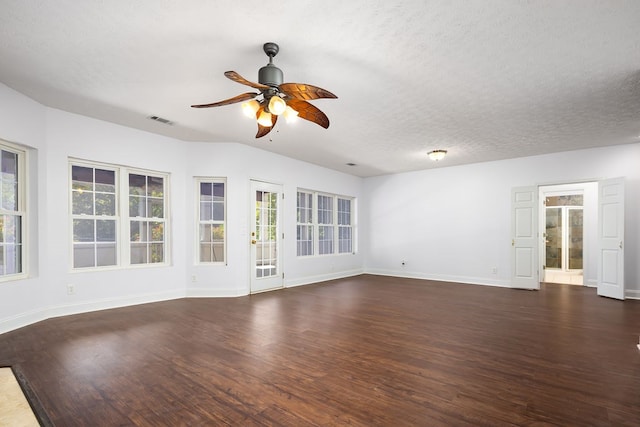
(364, 351)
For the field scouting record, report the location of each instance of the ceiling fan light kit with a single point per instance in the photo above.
(286, 99)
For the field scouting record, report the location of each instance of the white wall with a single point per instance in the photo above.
(447, 223)
(453, 223)
(240, 164)
(23, 121)
(55, 136)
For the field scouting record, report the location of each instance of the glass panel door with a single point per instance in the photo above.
(266, 237)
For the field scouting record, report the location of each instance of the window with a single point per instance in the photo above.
(325, 225)
(12, 211)
(211, 220)
(304, 224)
(146, 218)
(93, 209)
(102, 216)
(345, 231)
(327, 228)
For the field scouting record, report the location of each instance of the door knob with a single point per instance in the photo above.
(253, 242)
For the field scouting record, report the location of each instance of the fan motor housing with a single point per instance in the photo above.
(270, 75)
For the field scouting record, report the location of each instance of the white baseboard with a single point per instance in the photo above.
(38, 315)
(632, 294)
(321, 278)
(213, 293)
(485, 281)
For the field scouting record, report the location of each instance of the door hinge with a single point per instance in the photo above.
(283, 274)
(283, 235)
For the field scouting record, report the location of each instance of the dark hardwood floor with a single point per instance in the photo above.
(367, 350)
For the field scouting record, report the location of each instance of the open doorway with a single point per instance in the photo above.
(568, 226)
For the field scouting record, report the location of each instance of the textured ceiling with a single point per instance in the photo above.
(485, 80)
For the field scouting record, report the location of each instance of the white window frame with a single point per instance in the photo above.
(20, 211)
(123, 219)
(335, 223)
(92, 217)
(148, 219)
(344, 225)
(309, 224)
(199, 221)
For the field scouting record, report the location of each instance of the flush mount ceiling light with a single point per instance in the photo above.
(437, 155)
(275, 98)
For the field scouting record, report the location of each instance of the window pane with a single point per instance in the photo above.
(325, 240)
(553, 245)
(9, 194)
(155, 186)
(206, 211)
(156, 208)
(157, 252)
(138, 231)
(9, 165)
(206, 191)
(9, 229)
(205, 233)
(325, 209)
(105, 181)
(105, 204)
(138, 253)
(82, 202)
(82, 178)
(304, 240)
(83, 230)
(345, 240)
(218, 191)
(137, 185)
(218, 211)
(105, 231)
(575, 238)
(83, 255)
(206, 254)
(106, 254)
(137, 206)
(217, 252)
(344, 211)
(10, 259)
(157, 231)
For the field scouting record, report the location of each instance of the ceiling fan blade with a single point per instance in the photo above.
(239, 79)
(309, 112)
(242, 97)
(304, 91)
(263, 130)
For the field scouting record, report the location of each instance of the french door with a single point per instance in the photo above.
(266, 237)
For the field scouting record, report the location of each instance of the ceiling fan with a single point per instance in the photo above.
(277, 98)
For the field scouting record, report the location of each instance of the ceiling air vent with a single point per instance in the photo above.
(160, 120)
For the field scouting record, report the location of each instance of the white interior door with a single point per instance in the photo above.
(266, 259)
(610, 238)
(524, 238)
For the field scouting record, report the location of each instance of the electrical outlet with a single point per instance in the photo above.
(494, 270)
(194, 278)
(71, 289)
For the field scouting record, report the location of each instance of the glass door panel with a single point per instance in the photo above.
(553, 241)
(574, 240)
